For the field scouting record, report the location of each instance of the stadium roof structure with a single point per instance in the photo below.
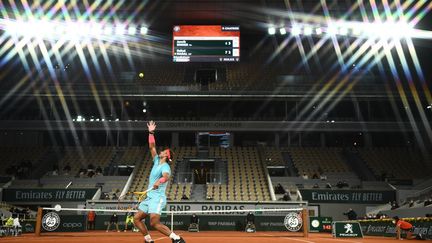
(306, 61)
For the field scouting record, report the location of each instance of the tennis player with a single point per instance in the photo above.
(403, 225)
(156, 198)
(129, 220)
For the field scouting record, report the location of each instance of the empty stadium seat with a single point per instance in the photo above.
(246, 176)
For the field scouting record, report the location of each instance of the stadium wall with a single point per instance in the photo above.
(193, 126)
(409, 212)
(18, 138)
(336, 210)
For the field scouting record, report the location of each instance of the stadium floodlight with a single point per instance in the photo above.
(318, 31)
(131, 30)
(73, 30)
(332, 30)
(271, 30)
(282, 31)
(295, 30)
(96, 29)
(120, 29)
(11, 27)
(398, 30)
(108, 30)
(36, 28)
(384, 30)
(356, 31)
(85, 29)
(60, 29)
(69, 30)
(377, 31)
(143, 30)
(66, 30)
(343, 31)
(307, 30)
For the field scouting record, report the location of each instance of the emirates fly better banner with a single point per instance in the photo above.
(47, 195)
(347, 196)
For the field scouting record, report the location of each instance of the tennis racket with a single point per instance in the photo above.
(140, 196)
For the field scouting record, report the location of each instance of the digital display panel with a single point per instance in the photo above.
(206, 43)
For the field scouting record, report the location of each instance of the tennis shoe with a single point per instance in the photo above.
(178, 241)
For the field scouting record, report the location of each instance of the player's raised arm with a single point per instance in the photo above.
(151, 125)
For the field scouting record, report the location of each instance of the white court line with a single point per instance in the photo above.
(161, 238)
(289, 238)
(350, 241)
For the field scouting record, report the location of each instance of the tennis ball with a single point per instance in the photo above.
(57, 208)
(141, 75)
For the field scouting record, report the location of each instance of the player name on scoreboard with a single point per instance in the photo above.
(206, 44)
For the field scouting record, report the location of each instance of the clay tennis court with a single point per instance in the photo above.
(201, 237)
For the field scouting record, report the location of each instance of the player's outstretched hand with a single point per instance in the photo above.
(151, 125)
(156, 185)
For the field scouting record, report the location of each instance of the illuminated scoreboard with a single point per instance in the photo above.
(206, 43)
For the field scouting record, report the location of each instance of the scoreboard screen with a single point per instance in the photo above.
(206, 43)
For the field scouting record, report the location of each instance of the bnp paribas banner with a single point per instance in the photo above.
(214, 222)
(225, 207)
(347, 196)
(47, 195)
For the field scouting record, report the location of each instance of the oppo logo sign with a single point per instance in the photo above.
(72, 225)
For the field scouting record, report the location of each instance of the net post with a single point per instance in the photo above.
(38, 222)
(172, 221)
(305, 217)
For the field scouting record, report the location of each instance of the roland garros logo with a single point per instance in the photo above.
(293, 221)
(50, 221)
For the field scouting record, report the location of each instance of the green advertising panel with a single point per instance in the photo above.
(181, 222)
(28, 226)
(54, 222)
(346, 229)
(47, 195)
(347, 196)
(385, 227)
(320, 224)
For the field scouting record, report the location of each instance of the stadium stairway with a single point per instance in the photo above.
(198, 192)
(291, 169)
(375, 210)
(221, 167)
(268, 183)
(181, 171)
(357, 165)
(424, 184)
(115, 161)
